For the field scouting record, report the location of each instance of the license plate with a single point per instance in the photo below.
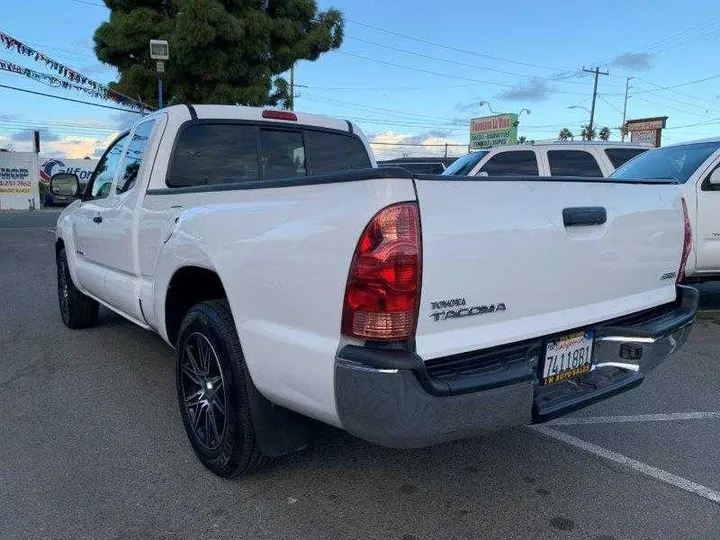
(567, 356)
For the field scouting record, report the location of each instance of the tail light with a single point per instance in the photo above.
(383, 287)
(687, 242)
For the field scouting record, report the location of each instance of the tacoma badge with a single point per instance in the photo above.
(463, 312)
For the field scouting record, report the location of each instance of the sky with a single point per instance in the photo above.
(415, 72)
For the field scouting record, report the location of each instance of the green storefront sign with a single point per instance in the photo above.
(493, 131)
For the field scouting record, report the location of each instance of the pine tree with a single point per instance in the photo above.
(221, 51)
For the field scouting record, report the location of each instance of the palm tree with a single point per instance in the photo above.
(605, 133)
(588, 133)
(565, 134)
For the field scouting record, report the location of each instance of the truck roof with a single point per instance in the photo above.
(240, 112)
(602, 144)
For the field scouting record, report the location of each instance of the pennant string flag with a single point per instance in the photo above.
(77, 80)
(47, 79)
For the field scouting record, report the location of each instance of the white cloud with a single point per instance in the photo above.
(76, 146)
(392, 144)
(67, 146)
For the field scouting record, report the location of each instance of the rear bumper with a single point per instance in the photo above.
(394, 398)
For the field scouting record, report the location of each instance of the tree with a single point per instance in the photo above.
(522, 139)
(604, 133)
(565, 134)
(221, 51)
(587, 133)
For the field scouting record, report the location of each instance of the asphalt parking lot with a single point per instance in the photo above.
(92, 447)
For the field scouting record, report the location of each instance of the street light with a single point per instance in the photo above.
(579, 107)
(527, 111)
(482, 103)
(159, 51)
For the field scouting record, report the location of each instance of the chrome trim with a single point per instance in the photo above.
(627, 339)
(629, 367)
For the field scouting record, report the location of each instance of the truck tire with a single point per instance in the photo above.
(76, 309)
(212, 379)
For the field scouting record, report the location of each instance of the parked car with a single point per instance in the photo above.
(696, 166)
(420, 165)
(588, 159)
(296, 280)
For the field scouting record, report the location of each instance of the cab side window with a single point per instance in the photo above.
(133, 157)
(573, 163)
(515, 162)
(102, 178)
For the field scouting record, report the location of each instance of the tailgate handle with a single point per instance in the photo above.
(584, 215)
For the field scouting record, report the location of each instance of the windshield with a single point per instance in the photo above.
(463, 165)
(672, 163)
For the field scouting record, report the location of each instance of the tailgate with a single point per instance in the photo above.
(501, 263)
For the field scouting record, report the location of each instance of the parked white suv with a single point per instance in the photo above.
(589, 159)
(696, 166)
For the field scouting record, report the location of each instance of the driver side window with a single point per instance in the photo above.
(105, 171)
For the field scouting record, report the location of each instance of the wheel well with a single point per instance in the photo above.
(59, 244)
(189, 286)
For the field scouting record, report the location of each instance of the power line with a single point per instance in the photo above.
(90, 3)
(442, 145)
(665, 106)
(463, 64)
(386, 88)
(456, 49)
(459, 77)
(609, 103)
(69, 99)
(659, 88)
(376, 109)
(689, 83)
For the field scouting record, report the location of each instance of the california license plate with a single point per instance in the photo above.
(567, 356)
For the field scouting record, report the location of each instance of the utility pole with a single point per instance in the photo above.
(292, 87)
(622, 128)
(597, 72)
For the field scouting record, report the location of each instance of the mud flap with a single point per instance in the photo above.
(278, 430)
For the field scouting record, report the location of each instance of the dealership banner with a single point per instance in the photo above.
(83, 168)
(18, 181)
(493, 131)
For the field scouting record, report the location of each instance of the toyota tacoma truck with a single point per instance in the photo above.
(295, 280)
(696, 167)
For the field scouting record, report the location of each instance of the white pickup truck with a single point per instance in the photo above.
(294, 279)
(696, 166)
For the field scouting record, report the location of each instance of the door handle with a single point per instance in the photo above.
(97, 219)
(583, 216)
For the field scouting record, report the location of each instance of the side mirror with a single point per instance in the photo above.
(67, 184)
(715, 177)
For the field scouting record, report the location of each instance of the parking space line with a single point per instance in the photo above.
(2, 229)
(660, 417)
(649, 470)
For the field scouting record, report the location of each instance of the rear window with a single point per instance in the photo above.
(520, 162)
(670, 163)
(211, 154)
(332, 152)
(620, 156)
(573, 163)
(463, 165)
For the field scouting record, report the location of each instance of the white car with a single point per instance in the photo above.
(696, 166)
(586, 159)
(294, 279)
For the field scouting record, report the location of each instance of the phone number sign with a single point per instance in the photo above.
(15, 181)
